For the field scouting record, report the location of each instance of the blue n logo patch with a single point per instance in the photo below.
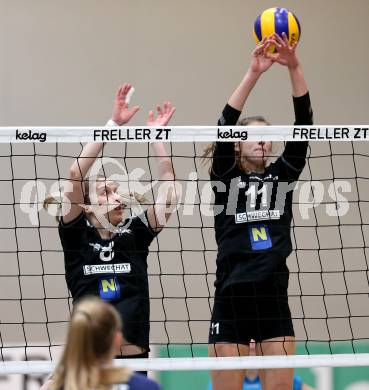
(109, 288)
(259, 237)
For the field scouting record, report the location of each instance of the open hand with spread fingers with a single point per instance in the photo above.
(164, 115)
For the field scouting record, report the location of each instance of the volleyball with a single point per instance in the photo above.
(277, 20)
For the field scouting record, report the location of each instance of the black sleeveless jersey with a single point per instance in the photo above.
(253, 211)
(114, 269)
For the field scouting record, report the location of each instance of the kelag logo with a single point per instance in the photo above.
(30, 136)
(259, 237)
(225, 134)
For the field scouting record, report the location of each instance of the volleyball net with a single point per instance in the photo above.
(329, 268)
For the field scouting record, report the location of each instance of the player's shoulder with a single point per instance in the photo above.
(79, 222)
(75, 231)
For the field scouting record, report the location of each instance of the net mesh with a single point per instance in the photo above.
(329, 269)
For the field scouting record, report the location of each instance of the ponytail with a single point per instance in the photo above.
(90, 340)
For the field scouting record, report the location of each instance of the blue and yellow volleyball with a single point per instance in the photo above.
(277, 20)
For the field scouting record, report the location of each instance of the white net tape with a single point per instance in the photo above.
(216, 363)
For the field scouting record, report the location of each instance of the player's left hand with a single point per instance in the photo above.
(286, 54)
(164, 115)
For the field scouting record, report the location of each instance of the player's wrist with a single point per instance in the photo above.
(294, 65)
(253, 74)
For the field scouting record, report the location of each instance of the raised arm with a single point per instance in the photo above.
(286, 56)
(295, 152)
(74, 194)
(224, 158)
(260, 63)
(167, 197)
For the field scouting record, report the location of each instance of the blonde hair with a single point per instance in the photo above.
(57, 199)
(208, 153)
(90, 340)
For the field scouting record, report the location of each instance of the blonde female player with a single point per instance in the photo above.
(113, 265)
(253, 230)
(94, 338)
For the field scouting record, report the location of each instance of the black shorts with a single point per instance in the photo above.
(246, 311)
(135, 315)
